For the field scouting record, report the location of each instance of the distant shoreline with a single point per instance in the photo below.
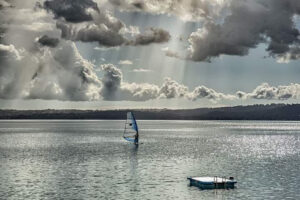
(282, 112)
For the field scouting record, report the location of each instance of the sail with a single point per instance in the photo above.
(131, 128)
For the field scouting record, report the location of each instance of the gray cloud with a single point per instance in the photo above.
(71, 10)
(29, 71)
(107, 36)
(249, 23)
(23, 29)
(61, 73)
(100, 27)
(241, 28)
(170, 53)
(72, 73)
(108, 31)
(45, 40)
(292, 54)
(189, 10)
(4, 4)
(47, 74)
(90, 33)
(116, 90)
(111, 80)
(9, 52)
(9, 73)
(153, 35)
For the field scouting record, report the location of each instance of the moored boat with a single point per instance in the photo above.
(212, 182)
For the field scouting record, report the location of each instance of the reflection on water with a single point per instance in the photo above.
(90, 159)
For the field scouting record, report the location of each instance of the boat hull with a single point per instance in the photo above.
(212, 183)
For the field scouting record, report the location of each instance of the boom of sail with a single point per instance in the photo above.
(131, 128)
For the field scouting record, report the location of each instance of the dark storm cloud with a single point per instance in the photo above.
(72, 10)
(101, 27)
(250, 22)
(45, 40)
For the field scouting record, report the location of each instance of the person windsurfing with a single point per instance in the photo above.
(136, 138)
(131, 131)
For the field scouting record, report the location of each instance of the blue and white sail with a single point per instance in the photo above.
(131, 128)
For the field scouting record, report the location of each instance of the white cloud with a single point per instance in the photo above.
(142, 70)
(208, 93)
(172, 89)
(268, 92)
(131, 30)
(120, 90)
(98, 48)
(114, 88)
(125, 62)
(138, 92)
(171, 53)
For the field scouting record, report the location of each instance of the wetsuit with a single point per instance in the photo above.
(136, 139)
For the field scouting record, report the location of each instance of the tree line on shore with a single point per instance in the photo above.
(250, 112)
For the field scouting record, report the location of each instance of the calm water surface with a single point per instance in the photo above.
(90, 160)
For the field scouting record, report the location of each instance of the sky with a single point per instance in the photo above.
(115, 54)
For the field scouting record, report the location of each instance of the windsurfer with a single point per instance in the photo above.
(136, 138)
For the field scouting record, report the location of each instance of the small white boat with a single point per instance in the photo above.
(212, 182)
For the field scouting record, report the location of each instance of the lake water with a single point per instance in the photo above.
(91, 160)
